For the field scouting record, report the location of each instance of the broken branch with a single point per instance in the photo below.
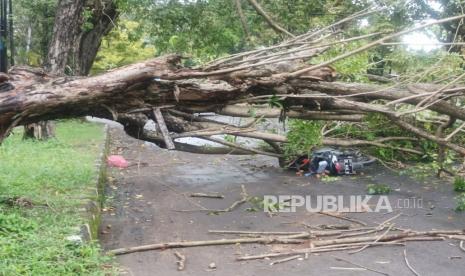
(168, 245)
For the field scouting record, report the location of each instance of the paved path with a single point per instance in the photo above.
(145, 197)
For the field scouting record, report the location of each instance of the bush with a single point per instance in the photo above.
(302, 137)
(378, 189)
(459, 184)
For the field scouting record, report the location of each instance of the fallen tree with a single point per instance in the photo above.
(272, 82)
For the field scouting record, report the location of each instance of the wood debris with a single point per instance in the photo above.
(181, 262)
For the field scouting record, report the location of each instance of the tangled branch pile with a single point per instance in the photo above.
(278, 81)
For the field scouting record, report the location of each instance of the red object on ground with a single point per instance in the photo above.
(117, 161)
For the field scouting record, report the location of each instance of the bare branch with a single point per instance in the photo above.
(268, 19)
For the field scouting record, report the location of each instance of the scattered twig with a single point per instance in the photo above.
(455, 132)
(358, 233)
(252, 232)
(361, 266)
(206, 195)
(383, 224)
(182, 244)
(181, 262)
(392, 237)
(233, 206)
(408, 264)
(348, 268)
(375, 241)
(343, 218)
(286, 259)
(330, 248)
(186, 197)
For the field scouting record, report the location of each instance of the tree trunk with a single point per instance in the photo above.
(73, 44)
(246, 84)
(68, 22)
(136, 89)
(40, 131)
(104, 16)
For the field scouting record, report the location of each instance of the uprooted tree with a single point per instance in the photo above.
(278, 81)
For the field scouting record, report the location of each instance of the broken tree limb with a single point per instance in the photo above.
(234, 232)
(372, 243)
(233, 206)
(163, 129)
(168, 245)
(386, 238)
(332, 248)
(206, 195)
(308, 251)
(251, 77)
(234, 145)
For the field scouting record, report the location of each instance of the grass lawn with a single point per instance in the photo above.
(57, 177)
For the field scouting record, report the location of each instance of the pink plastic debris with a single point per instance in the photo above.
(117, 161)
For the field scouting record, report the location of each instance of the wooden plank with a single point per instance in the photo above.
(163, 129)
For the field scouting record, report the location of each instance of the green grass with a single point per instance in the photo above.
(460, 203)
(459, 184)
(57, 177)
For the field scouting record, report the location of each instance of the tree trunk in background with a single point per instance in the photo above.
(37, 131)
(104, 15)
(68, 21)
(71, 42)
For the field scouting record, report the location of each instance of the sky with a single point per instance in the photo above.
(421, 41)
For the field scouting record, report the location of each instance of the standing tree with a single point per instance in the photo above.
(78, 30)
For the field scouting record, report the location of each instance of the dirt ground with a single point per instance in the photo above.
(145, 200)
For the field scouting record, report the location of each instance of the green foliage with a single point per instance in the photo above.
(208, 29)
(87, 25)
(302, 137)
(460, 203)
(330, 178)
(124, 45)
(376, 126)
(421, 171)
(258, 203)
(230, 138)
(57, 177)
(353, 68)
(275, 101)
(33, 23)
(459, 184)
(378, 189)
(425, 67)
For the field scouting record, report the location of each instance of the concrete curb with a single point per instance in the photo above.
(91, 211)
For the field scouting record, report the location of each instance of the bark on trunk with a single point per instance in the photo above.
(241, 84)
(87, 44)
(161, 83)
(68, 22)
(74, 45)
